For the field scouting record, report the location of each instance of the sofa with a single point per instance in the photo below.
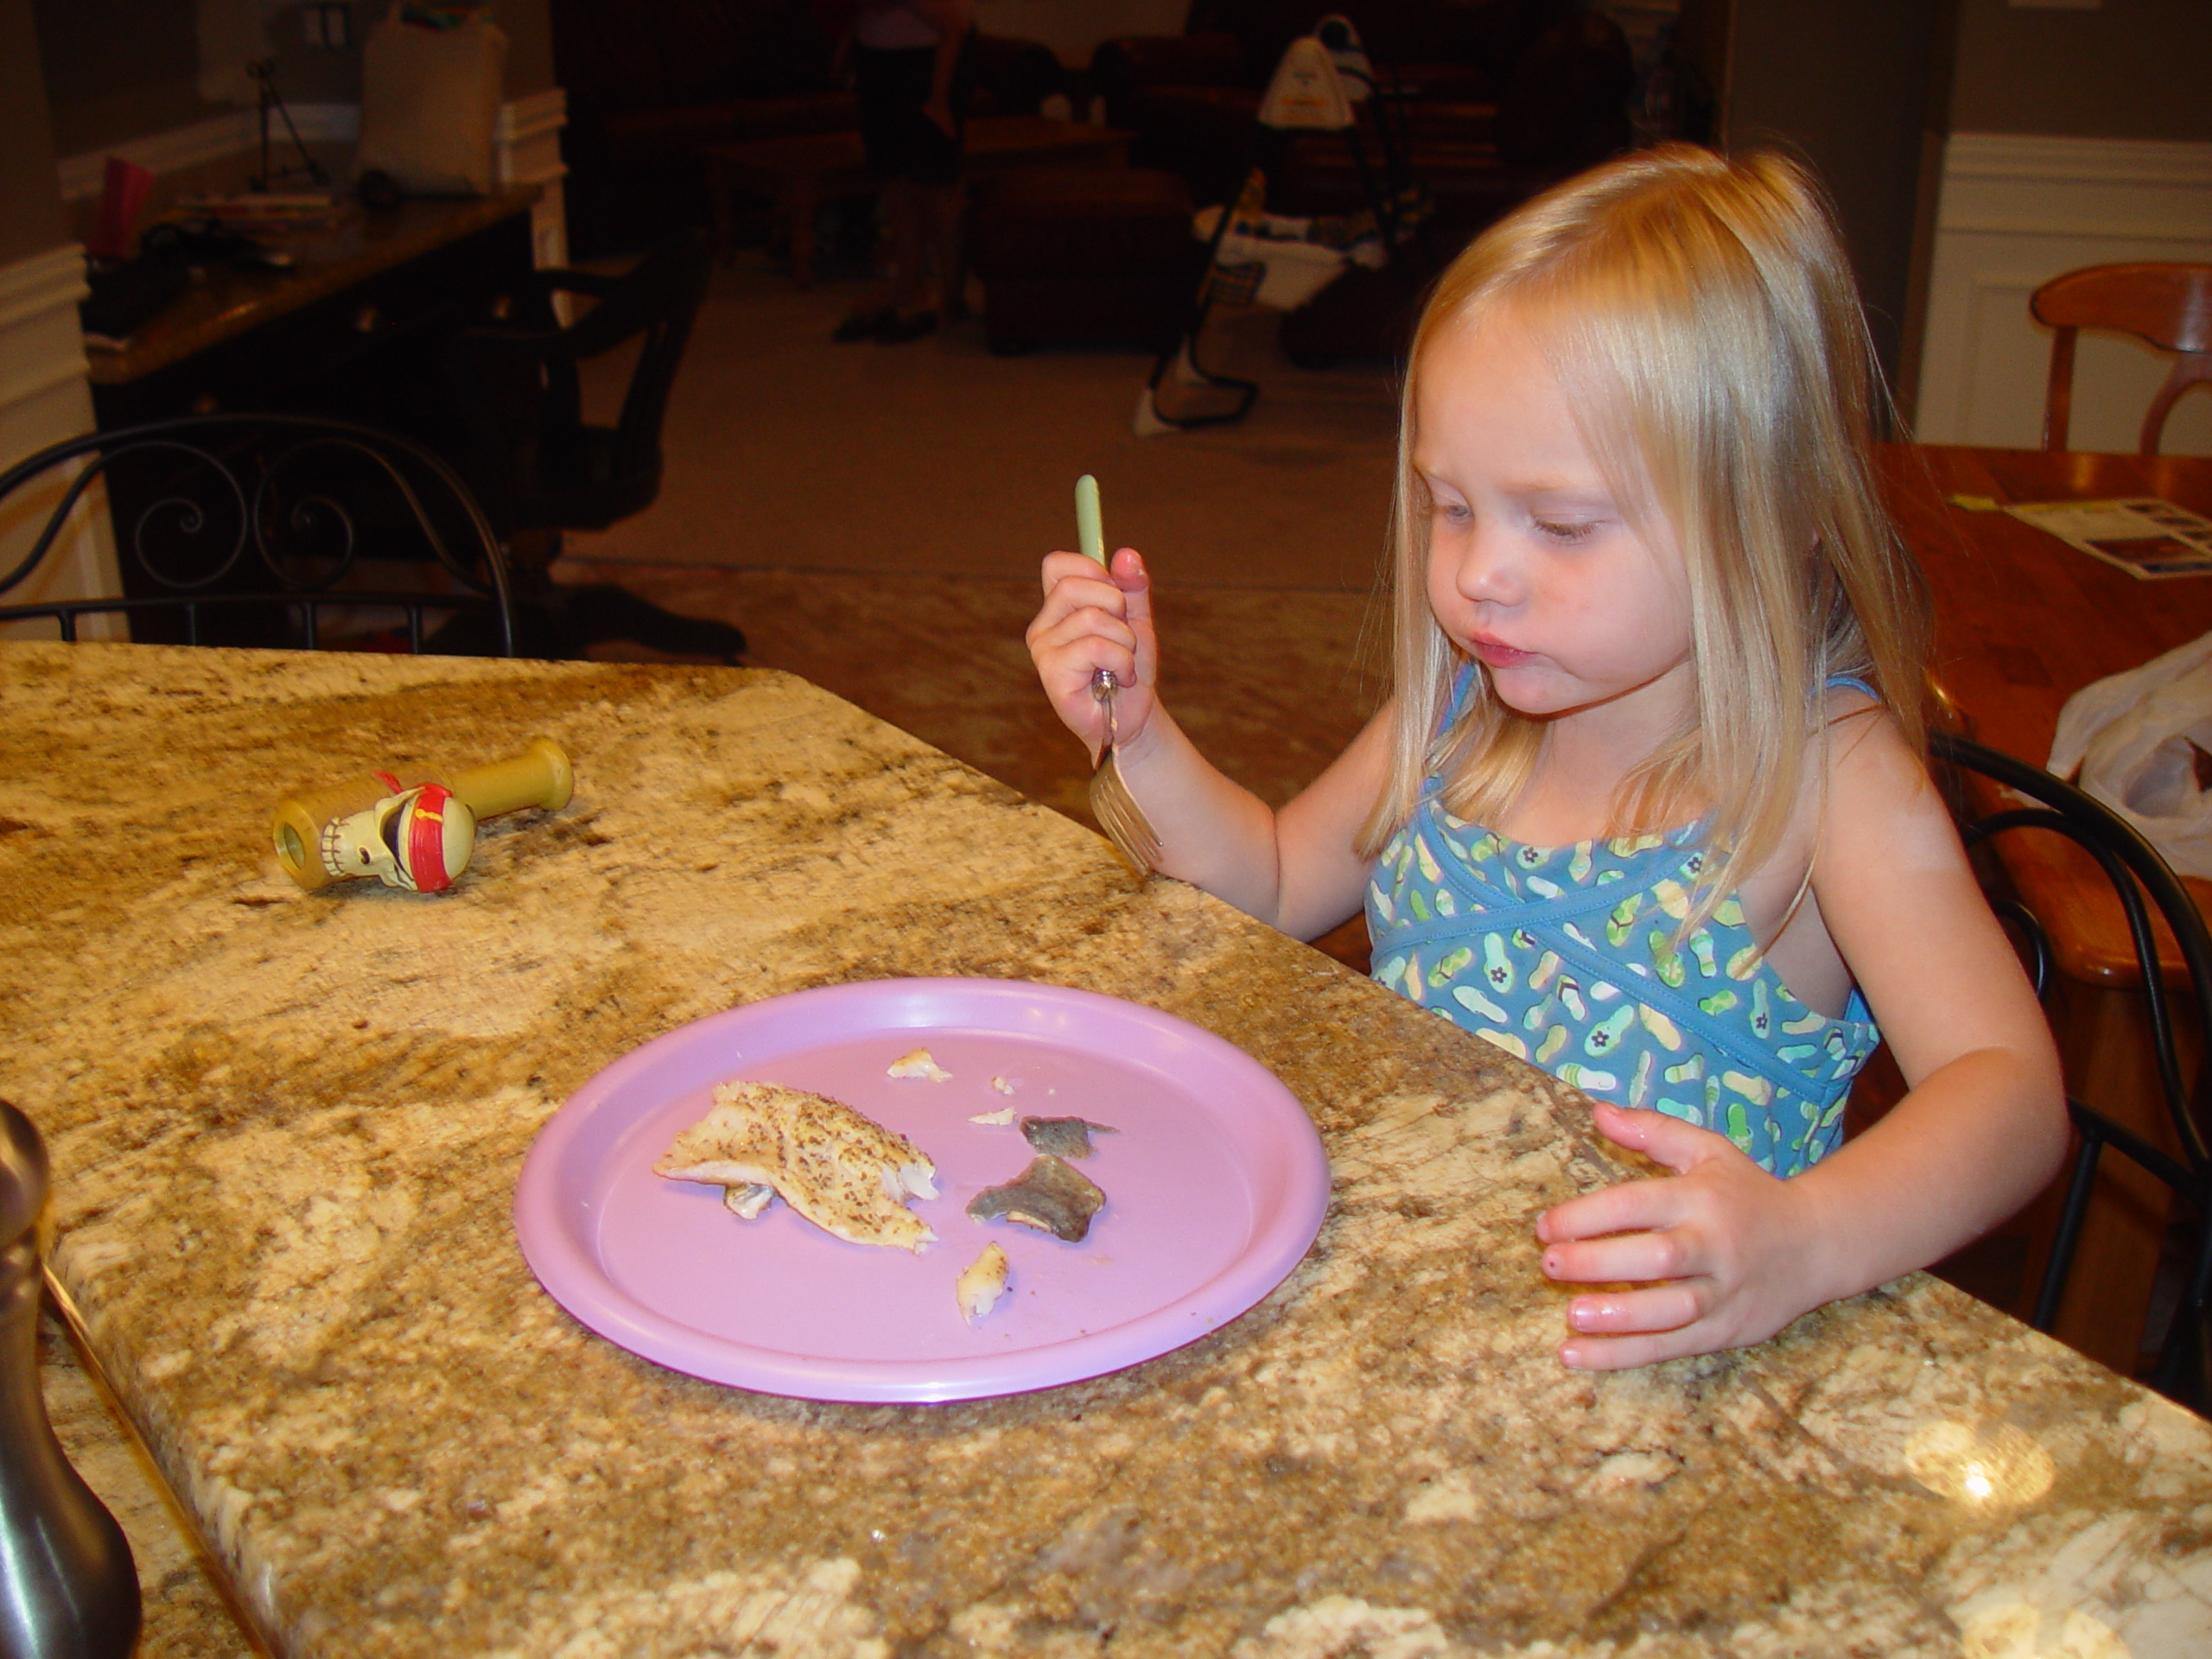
(649, 81)
(1496, 101)
(1499, 98)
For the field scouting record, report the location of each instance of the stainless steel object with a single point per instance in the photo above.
(68, 1587)
(1111, 803)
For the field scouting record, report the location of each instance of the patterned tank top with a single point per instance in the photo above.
(1566, 957)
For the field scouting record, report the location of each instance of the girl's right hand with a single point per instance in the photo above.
(1095, 619)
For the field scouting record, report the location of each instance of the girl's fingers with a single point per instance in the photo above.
(1625, 1258)
(1625, 1353)
(1630, 1206)
(1066, 567)
(1680, 1147)
(1135, 585)
(1640, 1312)
(1100, 639)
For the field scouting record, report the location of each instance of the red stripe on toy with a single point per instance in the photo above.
(426, 839)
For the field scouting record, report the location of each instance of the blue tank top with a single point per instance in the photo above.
(1565, 956)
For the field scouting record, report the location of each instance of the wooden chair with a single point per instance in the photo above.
(2184, 1367)
(253, 530)
(2168, 305)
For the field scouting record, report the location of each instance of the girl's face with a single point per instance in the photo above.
(1535, 569)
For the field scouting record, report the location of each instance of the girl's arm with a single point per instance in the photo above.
(1980, 1132)
(1296, 869)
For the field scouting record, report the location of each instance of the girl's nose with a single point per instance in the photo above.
(1486, 570)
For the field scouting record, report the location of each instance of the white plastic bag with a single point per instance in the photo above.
(429, 103)
(2130, 735)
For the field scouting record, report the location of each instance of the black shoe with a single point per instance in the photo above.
(902, 326)
(864, 325)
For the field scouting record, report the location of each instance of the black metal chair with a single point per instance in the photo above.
(541, 468)
(2184, 1366)
(259, 530)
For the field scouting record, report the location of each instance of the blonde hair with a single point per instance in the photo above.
(1701, 319)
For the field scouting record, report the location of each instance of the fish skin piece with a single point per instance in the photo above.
(844, 1172)
(1052, 1196)
(1064, 1137)
(982, 1283)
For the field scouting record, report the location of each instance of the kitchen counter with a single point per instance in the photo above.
(286, 1129)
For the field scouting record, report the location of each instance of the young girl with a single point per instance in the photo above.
(1647, 804)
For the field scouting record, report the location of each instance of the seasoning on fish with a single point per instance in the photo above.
(982, 1283)
(1064, 1137)
(846, 1174)
(1051, 1196)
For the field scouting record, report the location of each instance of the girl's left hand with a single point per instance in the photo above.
(1722, 1253)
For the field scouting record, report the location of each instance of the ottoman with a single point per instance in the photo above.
(1105, 254)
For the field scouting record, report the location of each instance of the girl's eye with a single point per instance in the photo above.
(1567, 535)
(1453, 512)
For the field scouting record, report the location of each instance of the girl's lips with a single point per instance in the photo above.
(1492, 654)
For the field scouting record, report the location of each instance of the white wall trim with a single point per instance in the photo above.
(526, 149)
(2015, 211)
(43, 283)
(45, 398)
(213, 140)
(2136, 189)
(532, 116)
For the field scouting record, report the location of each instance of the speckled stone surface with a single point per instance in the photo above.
(286, 1128)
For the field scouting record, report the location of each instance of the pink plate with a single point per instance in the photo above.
(1215, 1185)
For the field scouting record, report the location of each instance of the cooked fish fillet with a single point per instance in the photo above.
(844, 1173)
(918, 1063)
(982, 1283)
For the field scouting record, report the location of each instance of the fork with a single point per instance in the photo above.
(1111, 803)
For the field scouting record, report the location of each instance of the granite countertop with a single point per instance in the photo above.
(286, 1129)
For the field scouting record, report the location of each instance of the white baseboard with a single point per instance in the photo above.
(2015, 212)
(45, 398)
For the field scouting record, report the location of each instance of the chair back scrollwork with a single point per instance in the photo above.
(269, 529)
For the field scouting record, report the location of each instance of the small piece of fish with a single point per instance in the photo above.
(1064, 1137)
(749, 1200)
(919, 1063)
(1051, 1196)
(997, 1119)
(982, 1283)
(1002, 1085)
(845, 1172)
